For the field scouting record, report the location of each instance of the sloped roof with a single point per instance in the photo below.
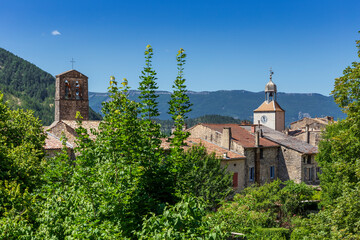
(69, 126)
(240, 135)
(210, 147)
(269, 107)
(53, 142)
(288, 141)
(324, 120)
(85, 124)
(71, 71)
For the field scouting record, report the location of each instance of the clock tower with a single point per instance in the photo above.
(270, 113)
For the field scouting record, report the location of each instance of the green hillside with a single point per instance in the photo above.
(26, 86)
(240, 104)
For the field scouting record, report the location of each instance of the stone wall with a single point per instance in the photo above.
(206, 133)
(280, 121)
(71, 96)
(314, 137)
(236, 166)
(290, 165)
(270, 158)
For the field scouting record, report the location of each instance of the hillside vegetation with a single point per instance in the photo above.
(26, 86)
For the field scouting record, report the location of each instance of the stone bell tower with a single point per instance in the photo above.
(71, 95)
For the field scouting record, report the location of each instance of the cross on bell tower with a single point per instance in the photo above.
(72, 63)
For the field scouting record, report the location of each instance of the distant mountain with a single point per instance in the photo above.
(240, 104)
(27, 86)
(24, 85)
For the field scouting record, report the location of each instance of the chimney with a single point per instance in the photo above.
(257, 138)
(253, 128)
(307, 133)
(226, 138)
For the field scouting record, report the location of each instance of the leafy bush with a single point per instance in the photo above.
(184, 220)
(202, 176)
(271, 205)
(269, 233)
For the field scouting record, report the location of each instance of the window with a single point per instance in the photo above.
(252, 174)
(310, 173)
(235, 180)
(309, 159)
(272, 172)
(261, 153)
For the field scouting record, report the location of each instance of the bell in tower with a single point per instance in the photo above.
(270, 89)
(71, 96)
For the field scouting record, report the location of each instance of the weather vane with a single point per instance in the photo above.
(72, 63)
(271, 73)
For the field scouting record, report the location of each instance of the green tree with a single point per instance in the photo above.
(202, 176)
(179, 104)
(270, 205)
(184, 220)
(21, 165)
(338, 156)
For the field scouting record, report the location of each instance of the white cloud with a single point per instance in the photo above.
(55, 33)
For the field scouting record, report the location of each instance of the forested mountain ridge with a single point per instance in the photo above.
(27, 86)
(240, 104)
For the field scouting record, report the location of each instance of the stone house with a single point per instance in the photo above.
(258, 164)
(268, 154)
(309, 129)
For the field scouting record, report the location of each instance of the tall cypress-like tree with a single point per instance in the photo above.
(179, 104)
(148, 98)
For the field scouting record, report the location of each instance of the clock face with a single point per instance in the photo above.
(263, 119)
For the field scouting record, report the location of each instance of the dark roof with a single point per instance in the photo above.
(288, 141)
(240, 135)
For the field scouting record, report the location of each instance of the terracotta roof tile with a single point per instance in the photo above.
(269, 107)
(240, 135)
(53, 142)
(210, 147)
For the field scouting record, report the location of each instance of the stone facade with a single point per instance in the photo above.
(258, 160)
(71, 95)
(273, 155)
(309, 129)
(238, 168)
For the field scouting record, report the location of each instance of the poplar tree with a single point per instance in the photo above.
(148, 99)
(179, 104)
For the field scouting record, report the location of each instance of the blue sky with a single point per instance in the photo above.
(230, 44)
